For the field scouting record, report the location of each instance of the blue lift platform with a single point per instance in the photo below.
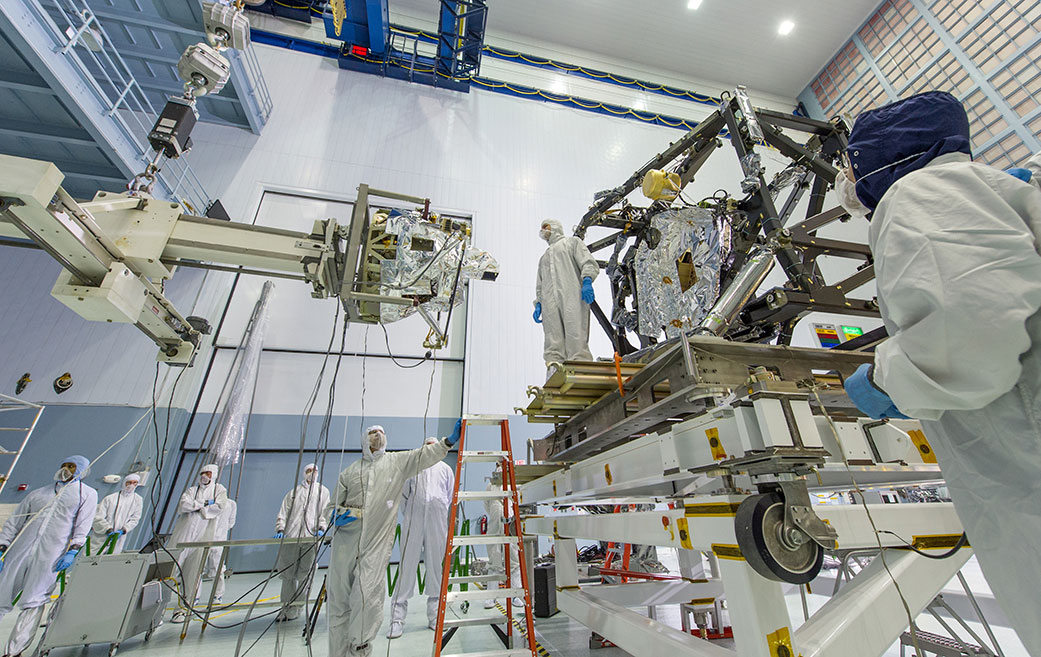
(370, 46)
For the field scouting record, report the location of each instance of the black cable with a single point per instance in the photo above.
(386, 338)
(962, 542)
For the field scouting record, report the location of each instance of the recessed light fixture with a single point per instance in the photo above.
(693, 4)
(785, 28)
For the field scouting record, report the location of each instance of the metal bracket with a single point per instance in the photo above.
(800, 521)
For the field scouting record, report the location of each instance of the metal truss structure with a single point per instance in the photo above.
(736, 483)
(759, 226)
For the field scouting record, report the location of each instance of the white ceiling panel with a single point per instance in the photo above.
(730, 41)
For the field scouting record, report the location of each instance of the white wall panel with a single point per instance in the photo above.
(285, 381)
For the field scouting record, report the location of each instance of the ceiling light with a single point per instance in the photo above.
(785, 28)
(693, 4)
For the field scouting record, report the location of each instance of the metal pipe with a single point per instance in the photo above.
(733, 299)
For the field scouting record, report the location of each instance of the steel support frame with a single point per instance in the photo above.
(765, 222)
(707, 368)
(862, 620)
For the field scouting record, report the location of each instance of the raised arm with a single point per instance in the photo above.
(958, 276)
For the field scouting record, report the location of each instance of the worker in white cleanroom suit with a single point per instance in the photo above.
(563, 294)
(197, 514)
(42, 537)
(300, 516)
(496, 527)
(956, 248)
(426, 498)
(1030, 172)
(364, 511)
(117, 516)
(225, 522)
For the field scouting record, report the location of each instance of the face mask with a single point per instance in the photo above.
(848, 199)
(63, 475)
(129, 488)
(544, 234)
(205, 479)
(309, 476)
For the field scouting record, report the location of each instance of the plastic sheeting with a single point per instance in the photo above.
(425, 264)
(231, 429)
(678, 282)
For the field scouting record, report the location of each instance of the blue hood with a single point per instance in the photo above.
(890, 142)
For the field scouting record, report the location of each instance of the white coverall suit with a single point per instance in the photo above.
(956, 247)
(300, 516)
(196, 521)
(558, 288)
(371, 489)
(225, 522)
(45, 524)
(426, 499)
(120, 510)
(496, 527)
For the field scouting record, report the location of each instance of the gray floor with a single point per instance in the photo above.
(559, 635)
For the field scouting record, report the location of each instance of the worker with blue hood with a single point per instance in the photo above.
(43, 537)
(956, 252)
(364, 514)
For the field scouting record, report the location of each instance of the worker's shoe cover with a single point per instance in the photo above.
(395, 631)
(433, 624)
(178, 617)
(489, 604)
(518, 602)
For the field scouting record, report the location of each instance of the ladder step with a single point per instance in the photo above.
(476, 620)
(477, 420)
(483, 456)
(483, 494)
(488, 539)
(492, 653)
(474, 579)
(483, 594)
(14, 428)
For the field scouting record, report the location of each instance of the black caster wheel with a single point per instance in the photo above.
(148, 634)
(464, 606)
(759, 527)
(112, 649)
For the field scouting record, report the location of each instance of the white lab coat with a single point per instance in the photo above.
(225, 522)
(371, 489)
(496, 527)
(956, 247)
(301, 515)
(48, 521)
(196, 522)
(424, 530)
(558, 287)
(119, 510)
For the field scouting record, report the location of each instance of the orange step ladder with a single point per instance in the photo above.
(446, 628)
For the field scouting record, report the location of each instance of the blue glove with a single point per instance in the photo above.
(454, 438)
(869, 398)
(537, 315)
(65, 561)
(342, 519)
(587, 290)
(319, 533)
(1018, 172)
(2, 562)
(117, 532)
(280, 534)
(209, 502)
